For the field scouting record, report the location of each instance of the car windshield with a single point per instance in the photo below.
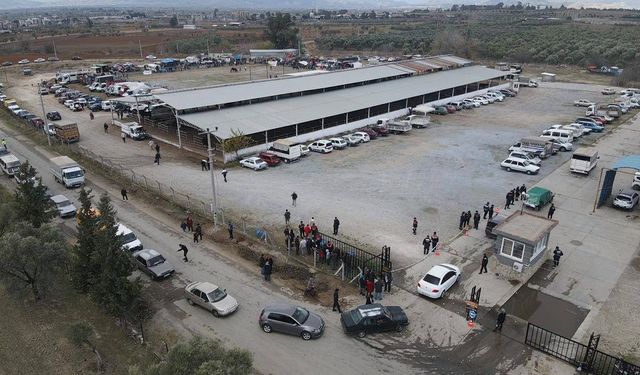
(623, 198)
(156, 260)
(355, 315)
(64, 203)
(433, 280)
(217, 295)
(129, 237)
(74, 174)
(300, 315)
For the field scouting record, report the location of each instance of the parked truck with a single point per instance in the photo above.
(527, 82)
(603, 110)
(132, 130)
(66, 171)
(67, 133)
(286, 149)
(419, 121)
(584, 160)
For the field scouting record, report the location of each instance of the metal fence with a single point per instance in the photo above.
(589, 360)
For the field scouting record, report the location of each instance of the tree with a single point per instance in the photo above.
(82, 272)
(281, 31)
(32, 203)
(30, 258)
(201, 356)
(89, 23)
(80, 334)
(237, 142)
(173, 22)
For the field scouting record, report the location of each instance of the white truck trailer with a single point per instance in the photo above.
(286, 149)
(66, 171)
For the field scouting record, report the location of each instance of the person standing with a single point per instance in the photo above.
(230, 229)
(485, 261)
(198, 231)
(507, 200)
(378, 286)
(336, 300)
(362, 282)
(124, 137)
(485, 209)
(434, 241)
(426, 245)
(91, 116)
(388, 279)
(157, 147)
(467, 220)
(523, 189)
(557, 253)
(184, 250)
(502, 316)
(224, 175)
(491, 210)
(463, 215)
(552, 209)
(296, 242)
(476, 220)
(267, 268)
(301, 229)
(336, 225)
(196, 237)
(203, 165)
(294, 197)
(106, 128)
(189, 223)
(124, 194)
(287, 216)
(415, 226)
(370, 286)
(369, 299)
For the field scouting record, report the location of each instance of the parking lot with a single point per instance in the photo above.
(375, 189)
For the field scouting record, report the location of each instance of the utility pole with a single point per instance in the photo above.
(140, 44)
(44, 116)
(55, 53)
(213, 179)
(138, 110)
(208, 52)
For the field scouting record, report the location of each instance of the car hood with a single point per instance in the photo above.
(161, 268)
(397, 314)
(226, 304)
(133, 244)
(67, 209)
(314, 321)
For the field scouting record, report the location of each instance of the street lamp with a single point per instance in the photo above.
(44, 116)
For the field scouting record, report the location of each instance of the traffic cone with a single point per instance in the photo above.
(438, 250)
(466, 232)
(470, 324)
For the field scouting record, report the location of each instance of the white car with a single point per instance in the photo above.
(304, 150)
(323, 145)
(480, 100)
(635, 185)
(211, 297)
(608, 91)
(579, 128)
(577, 131)
(489, 98)
(22, 62)
(64, 206)
(40, 60)
(69, 103)
(583, 103)
(472, 102)
(362, 137)
(338, 143)
(438, 280)
(528, 156)
(496, 96)
(150, 57)
(254, 163)
(130, 242)
(520, 165)
(560, 145)
(351, 140)
(626, 200)
(16, 110)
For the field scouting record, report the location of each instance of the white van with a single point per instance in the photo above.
(584, 160)
(9, 164)
(561, 134)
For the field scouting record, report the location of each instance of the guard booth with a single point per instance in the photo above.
(522, 240)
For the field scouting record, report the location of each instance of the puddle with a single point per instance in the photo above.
(548, 312)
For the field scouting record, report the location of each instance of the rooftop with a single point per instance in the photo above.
(525, 227)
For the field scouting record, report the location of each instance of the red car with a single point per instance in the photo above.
(372, 133)
(450, 108)
(269, 158)
(380, 130)
(36, 122)
(599, 120)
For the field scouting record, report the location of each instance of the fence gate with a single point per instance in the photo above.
(587, 357)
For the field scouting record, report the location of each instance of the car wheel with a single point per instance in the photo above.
(444, 293)
(215, 313)
(563, 149)
(267, 328)
(305, 335)
(399, 328)
(508, 169)
(189, 301)
(528, 172)
(362, 334)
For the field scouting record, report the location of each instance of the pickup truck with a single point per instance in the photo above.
(399, 126)
(286, 150)
(66, 171)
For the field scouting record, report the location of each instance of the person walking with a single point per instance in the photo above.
(388, 279)
(157, 158)
(467, 220)
(491, 210)
(294, 197)
(189, 223)
(183, 226)
(266, 270)
(378, 286)
(106, 128)
(230, 229)
(502, 316)
(91, 116)
(336, 225)
(198, 231)
(426, 245)
(557, 254)
(463, 216)
(434, 241)
(485, 261)
(124, 194)
(203, 165)
(552, 209)
(287, 216)
(196, 237)
(224, 175)
(476, 220)
(124, 137)
(184, 250)
(296, 242)
(336, 300)
(4, 144)
(157, 147)
(485, 210)
(415, 226)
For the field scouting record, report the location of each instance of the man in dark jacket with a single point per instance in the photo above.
(502, 316)
(184, 250)
(557, 253)
(552, 209)
(491, 210)
(485, 261)
(426, 245)
(485, 209)
(388, 278)
(336, 300)
(336, 225)
(476, 220)
(463, 216)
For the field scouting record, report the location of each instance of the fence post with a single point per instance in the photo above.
(173, 193)
(146, 183)
(188, 202)
(159, 190)
(204, 208)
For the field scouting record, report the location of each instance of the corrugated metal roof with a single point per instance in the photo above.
(456, 59)
(215, 95)
(271, 115)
